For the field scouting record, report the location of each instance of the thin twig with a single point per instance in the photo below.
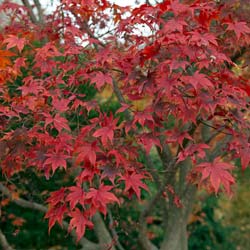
(211, 126)
(113, 231)
(121, 99)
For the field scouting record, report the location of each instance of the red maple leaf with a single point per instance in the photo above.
(242, 147)
(119, 158)
(245, 156)
(193, 150)
(79, 222)
(198, 80)
(100, 79)
(218, 174)
(133, 183)
(75, 196)
(60, 104)
(148, 140)
(14, 41)
(56, 197)
(56, 214)
(174, 25)
(107, 131)
(203, 39)
(58, 121)
(150, 51)
(32, 87)
(87, 174)
(19, 62)
(87, 151)
(142, 117)
(57, 159)
(239, 28)
(99, 198)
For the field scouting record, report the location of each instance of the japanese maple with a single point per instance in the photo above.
(178, 100)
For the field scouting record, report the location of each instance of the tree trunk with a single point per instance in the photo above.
(176, 233)
(176, 237)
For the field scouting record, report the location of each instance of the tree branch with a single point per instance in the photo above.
(121, 99)
(30, 11)
(113, 231)
(169, 174)
(4, 243)
(84, 27)
(85, 243)
(164, 154)
(102, 233)
(39, 10)
(21, 202)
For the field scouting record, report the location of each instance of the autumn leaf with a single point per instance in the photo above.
(239, 28)
(218, 173)
(105, 133)
(56, 197)
(56, 160)
(31, 88)
(100, 79)
(148, 140)
(58, 121)
(14, 41)
(142, 117)
(193, 150)
(99, 198)
(87, 152)
(56, 214)
(150, 51)
(87, 174)
(5, 58)
(174, 25)
(198, 80)
(79, 222)
(60, 104)
(75, 196)
(133, 183)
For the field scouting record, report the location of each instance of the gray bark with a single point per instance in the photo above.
(176, 230)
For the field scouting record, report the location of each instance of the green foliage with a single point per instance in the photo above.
(208, 232)
(34, 232)
(237, 211)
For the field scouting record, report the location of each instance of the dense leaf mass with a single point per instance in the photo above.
(168, 66)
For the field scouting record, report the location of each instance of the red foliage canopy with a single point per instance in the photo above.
(180, 70)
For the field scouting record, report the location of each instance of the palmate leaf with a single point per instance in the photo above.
(79, 221)
(218, 173)
(99, 198)
(239, 28)
(75, 196)
(100, 79)
(106, 133)
(56, 214)
(56, 197)
(14, 41)
(58, 121)
(56, 160)
(134, 184)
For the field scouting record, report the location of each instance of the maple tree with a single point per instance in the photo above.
(178, 101)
